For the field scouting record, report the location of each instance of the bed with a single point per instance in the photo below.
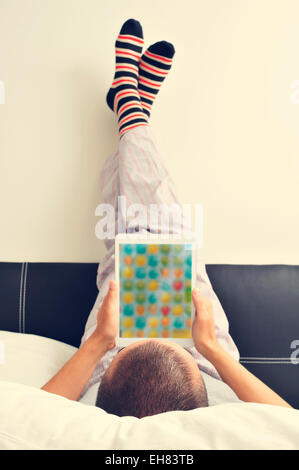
(44, 307)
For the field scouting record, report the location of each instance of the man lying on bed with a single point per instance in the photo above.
(151, 376)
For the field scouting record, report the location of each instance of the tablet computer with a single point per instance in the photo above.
(155, 279)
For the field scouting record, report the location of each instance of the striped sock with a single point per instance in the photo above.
(154, 65)
(123, 97)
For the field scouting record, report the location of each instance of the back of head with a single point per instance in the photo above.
(150, 379)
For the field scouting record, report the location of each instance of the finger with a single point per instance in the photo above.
(195, 325)
(111, 296)
(198, 299)
(112, 285)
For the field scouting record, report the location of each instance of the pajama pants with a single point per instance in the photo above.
(137, 172)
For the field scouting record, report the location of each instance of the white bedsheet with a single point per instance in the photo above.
(33, 419)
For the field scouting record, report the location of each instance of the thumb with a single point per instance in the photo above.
(111, 296)
(198, 299)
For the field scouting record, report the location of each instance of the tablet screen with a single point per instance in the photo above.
(155, 290)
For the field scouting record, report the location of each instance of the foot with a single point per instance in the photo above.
(154, 66)
(123, 97)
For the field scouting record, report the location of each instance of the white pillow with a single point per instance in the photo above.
(34, 419)
(31, 418)
(31, 359)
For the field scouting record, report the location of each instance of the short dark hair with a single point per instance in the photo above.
(150, 379)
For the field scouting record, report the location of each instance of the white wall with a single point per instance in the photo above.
(225, 109)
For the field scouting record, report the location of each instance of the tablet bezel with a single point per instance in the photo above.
(150, 240)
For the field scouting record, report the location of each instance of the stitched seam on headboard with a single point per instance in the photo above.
(269, 358)
(20, 299)
(24, 296)
(267, 362)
